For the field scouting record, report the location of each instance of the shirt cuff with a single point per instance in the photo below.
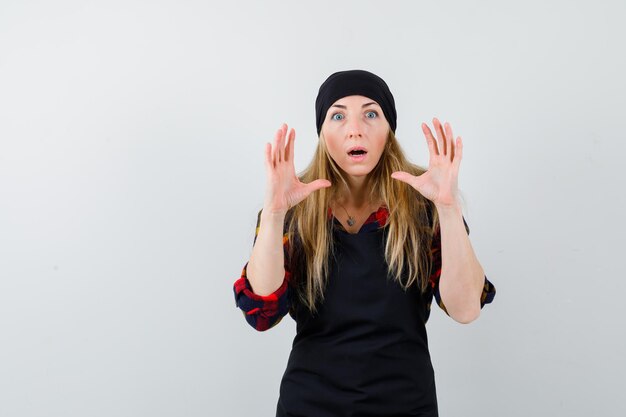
(489, 292)
(251, 302)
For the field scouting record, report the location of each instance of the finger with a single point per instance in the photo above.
(281, 144)
(415, 181)
(432, 144)
(450, 140)
(275, 147)
(289, 149)
(284, 144)
(317, 184)
(402, 176)
(458, 153)
(268, 156)
(440, 136)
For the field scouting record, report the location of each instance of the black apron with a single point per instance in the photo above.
(365, 352)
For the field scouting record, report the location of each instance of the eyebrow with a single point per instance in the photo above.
(344, 107)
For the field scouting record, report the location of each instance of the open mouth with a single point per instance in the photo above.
(357, 155)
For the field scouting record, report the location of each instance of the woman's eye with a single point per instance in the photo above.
(372, 113)
(337, 116)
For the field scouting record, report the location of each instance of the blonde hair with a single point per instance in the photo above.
(411, 224)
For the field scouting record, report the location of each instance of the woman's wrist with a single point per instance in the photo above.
(446, 210)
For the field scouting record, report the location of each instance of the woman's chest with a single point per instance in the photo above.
(361, 294)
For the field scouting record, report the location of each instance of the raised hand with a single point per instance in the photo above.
(284, 190)
(440, 183)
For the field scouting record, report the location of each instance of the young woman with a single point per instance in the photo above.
(354, 248)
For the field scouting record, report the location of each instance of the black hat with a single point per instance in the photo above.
(354, 82)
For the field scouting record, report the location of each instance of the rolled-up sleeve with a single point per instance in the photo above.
(263, 312)
(489, 290)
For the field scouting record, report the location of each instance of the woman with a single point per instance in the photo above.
(355, 248)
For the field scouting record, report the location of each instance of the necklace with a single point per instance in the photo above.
(351, 219)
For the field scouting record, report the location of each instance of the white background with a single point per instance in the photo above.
(132, 139)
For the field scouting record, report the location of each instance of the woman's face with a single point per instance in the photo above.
(355, 122)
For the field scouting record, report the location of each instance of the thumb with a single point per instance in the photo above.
(317, 184)
(402, 176)
(414, 181)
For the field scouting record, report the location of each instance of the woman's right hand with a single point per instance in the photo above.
(284, 189)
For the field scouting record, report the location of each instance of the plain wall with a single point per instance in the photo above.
(132, 139)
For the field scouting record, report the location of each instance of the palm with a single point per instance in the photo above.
(284, 188)
(287, 188)
(440, 182)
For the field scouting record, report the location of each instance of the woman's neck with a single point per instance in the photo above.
(357, 195)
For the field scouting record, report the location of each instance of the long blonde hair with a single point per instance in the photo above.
(411, 224)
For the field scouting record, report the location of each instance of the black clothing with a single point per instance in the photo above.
(365, 352)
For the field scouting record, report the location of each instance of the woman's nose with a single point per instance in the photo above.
(355, 128)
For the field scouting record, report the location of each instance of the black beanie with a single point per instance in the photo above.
(354, 82)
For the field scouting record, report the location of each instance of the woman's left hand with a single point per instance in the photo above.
(440, 183)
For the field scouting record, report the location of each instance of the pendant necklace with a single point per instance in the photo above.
(351, 219)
